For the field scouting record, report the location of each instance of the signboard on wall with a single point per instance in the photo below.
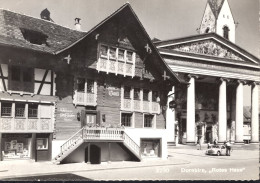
(67, 114)
(113, 91)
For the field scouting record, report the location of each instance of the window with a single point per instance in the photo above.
(136, 94)
(121, 54)
(112, 54)
(155, 96)
(226, 32)
(90, 86)
(146, 95)
(126, 119)
(19, 110)
(16, 73)
(32, 110)
(148, 120)
(81, 84)
(129, 56)
(207, 30)
(103, 50)
(42, 143)
(6, 109)
(127, 90)
(27, 74)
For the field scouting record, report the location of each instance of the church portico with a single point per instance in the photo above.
(211, 106)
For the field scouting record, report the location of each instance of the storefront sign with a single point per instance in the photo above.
(113, 91)
(17, 135)
(67, 114)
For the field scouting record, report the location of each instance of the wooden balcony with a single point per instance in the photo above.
(116, 66)
(10, 124)
(140, 106)
(84, 98)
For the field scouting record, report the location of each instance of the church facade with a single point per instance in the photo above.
(211, 106)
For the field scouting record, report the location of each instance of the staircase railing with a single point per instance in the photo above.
(98, 133)
(78, 135)
(131, 144)
(103, 133)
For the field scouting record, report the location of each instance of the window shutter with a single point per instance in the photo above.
(46, 111)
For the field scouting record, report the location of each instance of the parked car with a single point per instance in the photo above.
(216, 150)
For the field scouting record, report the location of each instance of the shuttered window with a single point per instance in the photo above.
(46, 111)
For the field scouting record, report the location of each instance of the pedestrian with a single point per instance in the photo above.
(215, 142)
(228, 147)
(208, 145)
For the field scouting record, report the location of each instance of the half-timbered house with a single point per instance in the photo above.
(76, 96)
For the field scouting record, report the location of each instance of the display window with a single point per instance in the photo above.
(16, 146)
(150, 148)
(42, 144)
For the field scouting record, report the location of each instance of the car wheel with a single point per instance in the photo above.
(218, 153)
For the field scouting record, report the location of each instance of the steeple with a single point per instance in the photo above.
(218, 18)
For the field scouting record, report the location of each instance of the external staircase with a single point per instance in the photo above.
(97, 134)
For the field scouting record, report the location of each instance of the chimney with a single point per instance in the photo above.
(45, 14)
(77, 24)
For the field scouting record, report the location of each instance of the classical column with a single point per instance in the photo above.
(254, 115)
(170, 118)
(222, 111)
(239, 113)
(190, 124)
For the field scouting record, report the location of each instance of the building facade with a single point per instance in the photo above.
(75, 96)
(211, 107)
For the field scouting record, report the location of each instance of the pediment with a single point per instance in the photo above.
(211, 48)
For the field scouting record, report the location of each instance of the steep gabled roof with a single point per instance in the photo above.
(127, 9)
(59, 38)
(216, 6)
(14, 27)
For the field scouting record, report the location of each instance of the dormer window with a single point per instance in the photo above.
(34, 37)
(226, 32)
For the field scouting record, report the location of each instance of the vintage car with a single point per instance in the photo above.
(216, 150)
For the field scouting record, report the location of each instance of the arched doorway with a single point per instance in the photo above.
(95, 154)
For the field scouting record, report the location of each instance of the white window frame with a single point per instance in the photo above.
(132, 119)
(153, 121)
(47, 144)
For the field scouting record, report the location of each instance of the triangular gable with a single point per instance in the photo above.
(144, 43)
(211, 45)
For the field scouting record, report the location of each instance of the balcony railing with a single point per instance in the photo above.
(116, 66)
(10, 124)
(140, 106)
(86, 99)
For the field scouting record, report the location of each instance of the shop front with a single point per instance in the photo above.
(26, 146)
(150, 148)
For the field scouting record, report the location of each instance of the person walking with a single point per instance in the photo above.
(215, 142)
(228, 147)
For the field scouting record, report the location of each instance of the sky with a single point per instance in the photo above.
(163, 19)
